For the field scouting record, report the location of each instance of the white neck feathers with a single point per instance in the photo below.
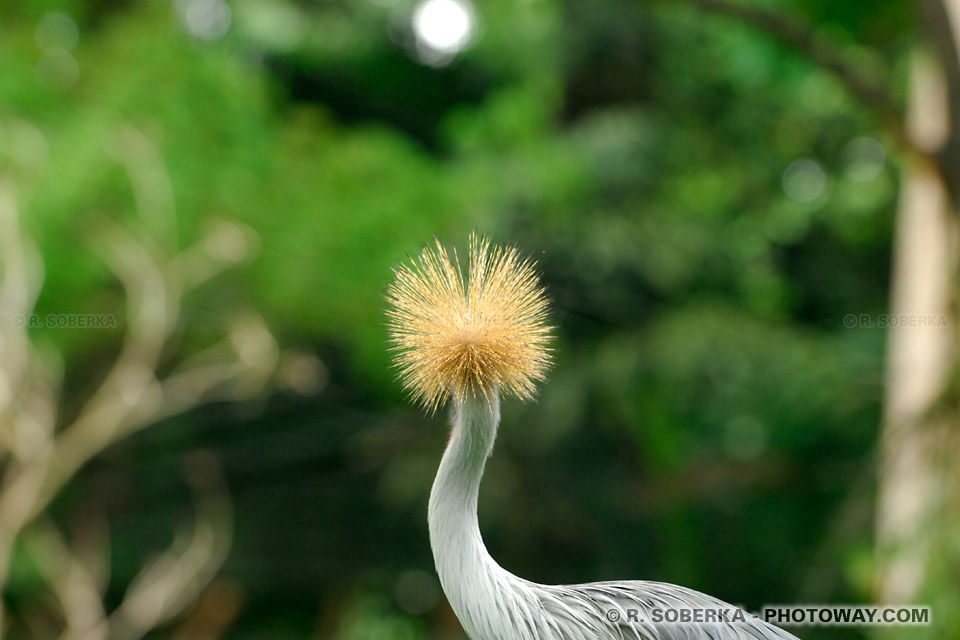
(471, 579)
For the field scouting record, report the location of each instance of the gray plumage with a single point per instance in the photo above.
(493, 604)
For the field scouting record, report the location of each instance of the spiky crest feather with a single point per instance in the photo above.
(468, 336)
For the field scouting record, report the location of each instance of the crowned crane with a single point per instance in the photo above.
(467, 340)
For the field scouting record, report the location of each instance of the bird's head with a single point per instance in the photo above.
(468, 335)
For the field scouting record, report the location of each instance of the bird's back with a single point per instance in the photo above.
(641, 610)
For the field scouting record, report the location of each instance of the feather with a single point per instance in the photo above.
(468, 336)
(469, 340)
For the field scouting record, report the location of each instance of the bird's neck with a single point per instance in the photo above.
(467, 572)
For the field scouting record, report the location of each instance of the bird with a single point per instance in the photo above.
(468, 339)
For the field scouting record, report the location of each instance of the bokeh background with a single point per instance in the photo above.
(712, 191)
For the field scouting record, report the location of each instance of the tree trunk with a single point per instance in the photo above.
(921, 352)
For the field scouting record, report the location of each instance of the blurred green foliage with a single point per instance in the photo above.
(703, 204)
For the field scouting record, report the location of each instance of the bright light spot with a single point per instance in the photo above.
(443, 28)
(443, 25)
(864, 159)
(204, 19)
(57, 69)
(56, 31)
(804, 180)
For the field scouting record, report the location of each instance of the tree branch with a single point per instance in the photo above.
(171, 582)
(37, 459)
(795, 32)
(75, 588)
(939, 24)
